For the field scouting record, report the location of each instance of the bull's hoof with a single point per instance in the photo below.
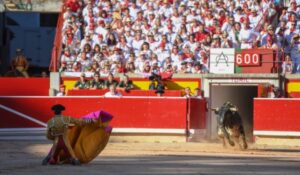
(245, 146)
(45, 161)
(231, 142)
(75, 162)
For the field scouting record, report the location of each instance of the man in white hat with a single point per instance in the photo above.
(254, 18)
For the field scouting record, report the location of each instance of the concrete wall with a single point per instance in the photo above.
(41, 5)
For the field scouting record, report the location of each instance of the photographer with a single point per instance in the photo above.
(157, 84)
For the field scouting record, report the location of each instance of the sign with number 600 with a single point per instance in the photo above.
(247, 59)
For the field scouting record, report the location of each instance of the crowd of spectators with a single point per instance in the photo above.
(173, 36)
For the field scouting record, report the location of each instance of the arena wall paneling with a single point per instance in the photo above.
(197, 113)
(130, 112)
(24, 86)
(277, 117)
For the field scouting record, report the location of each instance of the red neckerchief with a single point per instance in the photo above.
(204, 60)
(70, 40)
(67, 55)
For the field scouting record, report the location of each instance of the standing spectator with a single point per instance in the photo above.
(287, 65)
(198, 93)
(248, 36)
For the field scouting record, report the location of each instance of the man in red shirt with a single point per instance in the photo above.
(73, 4)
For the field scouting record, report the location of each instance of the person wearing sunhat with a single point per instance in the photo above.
(20, 63)
(57, 128)
(254, 18)
(247, 35)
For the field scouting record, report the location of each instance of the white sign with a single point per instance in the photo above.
(221, 61)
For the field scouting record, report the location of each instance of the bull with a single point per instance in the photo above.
(230, 125)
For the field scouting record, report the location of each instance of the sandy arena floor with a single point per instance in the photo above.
(24, 158)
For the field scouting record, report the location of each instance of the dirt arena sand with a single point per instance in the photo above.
(24, 158)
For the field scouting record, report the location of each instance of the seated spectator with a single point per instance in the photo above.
(187, 92)
(96, 83)
(20, 64)
(44, 74)
(112, 92)
(198, 93)
(147, 28)
(125, 84)
(62, 91)
(130, 68)
(110, 81)
(83, 83)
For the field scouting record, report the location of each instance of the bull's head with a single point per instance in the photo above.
(233, 109)
(216, 110)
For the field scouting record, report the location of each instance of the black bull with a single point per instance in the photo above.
(230, 125)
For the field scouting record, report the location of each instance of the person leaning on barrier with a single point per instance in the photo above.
(110, 81)
(125, 84)
(187, 92)
(82, 83)
(295, 53)
(96, 83)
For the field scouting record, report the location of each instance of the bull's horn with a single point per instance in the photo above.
(215, 109)
(233, 109)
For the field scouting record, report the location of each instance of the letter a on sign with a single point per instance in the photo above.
(221, 61)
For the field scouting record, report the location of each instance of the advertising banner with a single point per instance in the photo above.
(222, 61)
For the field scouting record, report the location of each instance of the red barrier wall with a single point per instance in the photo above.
(24, 86)
(197, 113)
(277, 115)
(128, 112)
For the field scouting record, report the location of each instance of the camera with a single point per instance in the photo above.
(154, 77)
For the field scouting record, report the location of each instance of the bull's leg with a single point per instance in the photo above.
(224, 142)
(221, 136)
(244, 144)
(47, 158)
(226, 135)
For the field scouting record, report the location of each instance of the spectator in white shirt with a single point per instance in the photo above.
(112, 92)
